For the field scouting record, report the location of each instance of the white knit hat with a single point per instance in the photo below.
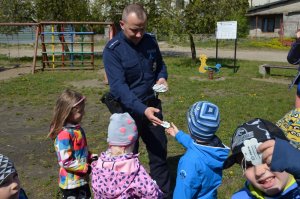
(122, 130)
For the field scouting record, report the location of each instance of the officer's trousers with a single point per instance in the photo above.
(155, 140)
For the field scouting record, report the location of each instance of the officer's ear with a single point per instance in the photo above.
(122, 23)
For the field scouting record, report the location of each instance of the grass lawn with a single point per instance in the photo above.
(27, 104)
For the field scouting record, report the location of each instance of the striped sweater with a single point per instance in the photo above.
(73, 155)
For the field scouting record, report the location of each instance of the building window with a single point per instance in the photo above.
(268, 24)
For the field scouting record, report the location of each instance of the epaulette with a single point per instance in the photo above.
(113, 44)
(152, 36)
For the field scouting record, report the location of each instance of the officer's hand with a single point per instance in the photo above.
(267, 149)
(162, 81)
(149, 113)
(297, 34)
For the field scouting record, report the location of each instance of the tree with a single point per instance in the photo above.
(200, 17)
(16, 11)
(169, 17)
(111, 10)
(58, 10)
(235, 11)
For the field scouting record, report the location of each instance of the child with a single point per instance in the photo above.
(261, 182)
(199, 172)
(118, 172)
(290, 125)
(71, 145)
(9, 180)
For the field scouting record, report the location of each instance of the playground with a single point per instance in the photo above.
(28, 100)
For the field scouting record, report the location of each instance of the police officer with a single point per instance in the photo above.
(133, 64)
(294, 58)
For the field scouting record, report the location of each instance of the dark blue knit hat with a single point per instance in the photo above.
(203, 120)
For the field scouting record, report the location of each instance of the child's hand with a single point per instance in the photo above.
(267, 149)
(173, 130)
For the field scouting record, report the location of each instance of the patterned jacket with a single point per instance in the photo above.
(122, 177)
(73, 155)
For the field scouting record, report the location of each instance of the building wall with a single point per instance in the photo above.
(253, 3)
(291, 23)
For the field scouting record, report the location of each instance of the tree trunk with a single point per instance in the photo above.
(192, 44)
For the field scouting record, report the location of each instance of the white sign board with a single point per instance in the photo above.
(226, 30)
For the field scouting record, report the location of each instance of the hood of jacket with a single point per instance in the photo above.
(215, 155)
(111, 176)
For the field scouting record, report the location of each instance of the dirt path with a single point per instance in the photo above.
(259, 55)
(14, 72)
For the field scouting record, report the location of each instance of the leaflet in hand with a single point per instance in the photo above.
(250, 151)
(160, 88)
(165, 124)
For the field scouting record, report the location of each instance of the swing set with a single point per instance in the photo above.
(64, 45)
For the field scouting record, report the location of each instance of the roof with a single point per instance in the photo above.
(278, 7)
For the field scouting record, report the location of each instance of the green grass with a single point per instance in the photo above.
(29, 100)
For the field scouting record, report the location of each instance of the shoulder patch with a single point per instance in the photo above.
(114, 44)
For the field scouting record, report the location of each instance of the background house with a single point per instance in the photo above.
(253, 3)
(273, 18)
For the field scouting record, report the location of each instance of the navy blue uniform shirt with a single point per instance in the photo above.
(294, 53)
(132, 70)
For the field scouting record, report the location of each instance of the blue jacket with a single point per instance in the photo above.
(294, 53)
(199, 172)
(286, 158)
(22, 194)
(132, 70)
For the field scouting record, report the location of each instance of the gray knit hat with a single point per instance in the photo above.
(122, 130)
(6, 168)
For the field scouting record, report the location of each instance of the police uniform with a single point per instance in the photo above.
(294, 58)
(132, 70)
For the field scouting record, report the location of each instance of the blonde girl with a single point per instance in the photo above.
(71, 145)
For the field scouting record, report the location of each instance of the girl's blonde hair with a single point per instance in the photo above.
(120, 150)
(63, 108)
